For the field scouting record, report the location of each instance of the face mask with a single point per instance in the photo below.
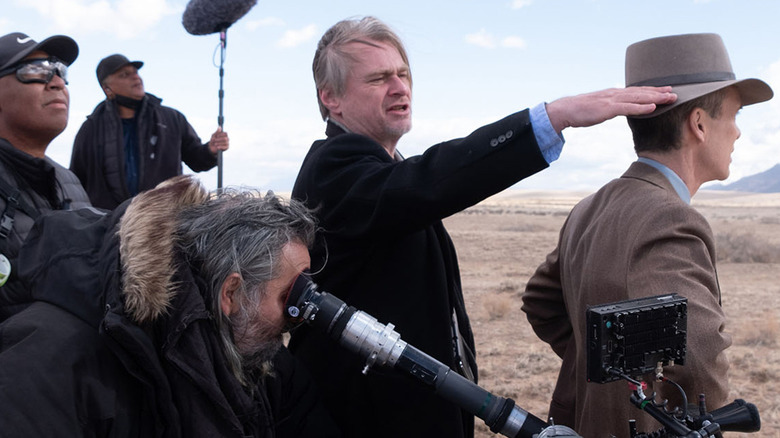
(128, 102)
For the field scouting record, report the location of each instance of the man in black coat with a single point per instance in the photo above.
(131, 142)
(162, 318)
(384, 248)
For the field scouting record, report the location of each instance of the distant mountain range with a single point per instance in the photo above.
(764, 182)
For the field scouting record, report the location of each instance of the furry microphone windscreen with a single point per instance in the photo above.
(202, 17)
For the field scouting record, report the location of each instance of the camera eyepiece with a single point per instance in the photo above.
(300, 294)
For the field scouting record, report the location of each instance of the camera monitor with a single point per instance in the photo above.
(632, 337)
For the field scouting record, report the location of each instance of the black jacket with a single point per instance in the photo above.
(389, 255)
(165, 138)
(109, 350)
(43, 186)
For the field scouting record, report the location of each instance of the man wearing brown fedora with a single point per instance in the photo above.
(638, 236)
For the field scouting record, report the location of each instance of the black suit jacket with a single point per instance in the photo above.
(385, 251)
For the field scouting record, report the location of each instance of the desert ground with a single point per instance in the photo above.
(501, 241)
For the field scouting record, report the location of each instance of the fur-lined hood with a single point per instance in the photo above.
(146, 245)
(68, 255)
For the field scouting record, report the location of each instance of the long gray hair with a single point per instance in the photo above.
(241, 232)
(332, 63)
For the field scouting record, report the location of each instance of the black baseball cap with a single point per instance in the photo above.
(16, 46)
(110, 64)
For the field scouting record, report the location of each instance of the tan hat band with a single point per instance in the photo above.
(686, 79)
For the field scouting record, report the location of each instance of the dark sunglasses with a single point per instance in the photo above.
(38, 70)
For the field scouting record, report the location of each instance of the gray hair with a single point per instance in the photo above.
(332, 63)
(241, 232)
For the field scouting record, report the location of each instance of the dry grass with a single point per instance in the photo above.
(762, 333)
(497, 306)
(745, 247)
(501, 242)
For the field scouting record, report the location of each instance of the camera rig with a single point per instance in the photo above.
(641, 336)
(624, 339)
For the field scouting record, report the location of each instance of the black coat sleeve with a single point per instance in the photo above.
(362, 192)
(84, 153)
(196, 155)
(298, 409)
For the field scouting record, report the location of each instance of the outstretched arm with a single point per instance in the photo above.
(593, 108)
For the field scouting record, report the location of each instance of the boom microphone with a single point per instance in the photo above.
(202, 17)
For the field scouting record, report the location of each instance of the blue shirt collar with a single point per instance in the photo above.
(674, 179)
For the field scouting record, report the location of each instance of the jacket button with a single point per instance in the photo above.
(509, 134)
(501, 138)
(494, 142)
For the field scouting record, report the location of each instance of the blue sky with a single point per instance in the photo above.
(473, 62)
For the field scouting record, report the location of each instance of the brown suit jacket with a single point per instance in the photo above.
(633, 238)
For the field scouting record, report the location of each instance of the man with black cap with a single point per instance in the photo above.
(34, 104)
(638, 237)
(130, 142)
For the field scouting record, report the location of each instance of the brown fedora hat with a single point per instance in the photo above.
(693, 64)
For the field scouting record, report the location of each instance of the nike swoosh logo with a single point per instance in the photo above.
(23, 40)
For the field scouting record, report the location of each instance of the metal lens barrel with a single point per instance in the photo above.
(380, 345)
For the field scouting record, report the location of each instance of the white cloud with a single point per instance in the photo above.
(517, 4)
(514, 42)
(772, 76)
(265, 22)
(124, 18)
(265, 154)
(293, 38)
(487, 40)
(481, 39)
(758, 148)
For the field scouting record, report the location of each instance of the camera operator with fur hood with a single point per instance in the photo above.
(162, 318)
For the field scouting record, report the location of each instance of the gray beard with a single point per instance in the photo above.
(260, 360)
(256, 342)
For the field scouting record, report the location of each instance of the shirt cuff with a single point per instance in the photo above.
(550, 142)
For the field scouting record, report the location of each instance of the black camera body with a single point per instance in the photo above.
(632, 337)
